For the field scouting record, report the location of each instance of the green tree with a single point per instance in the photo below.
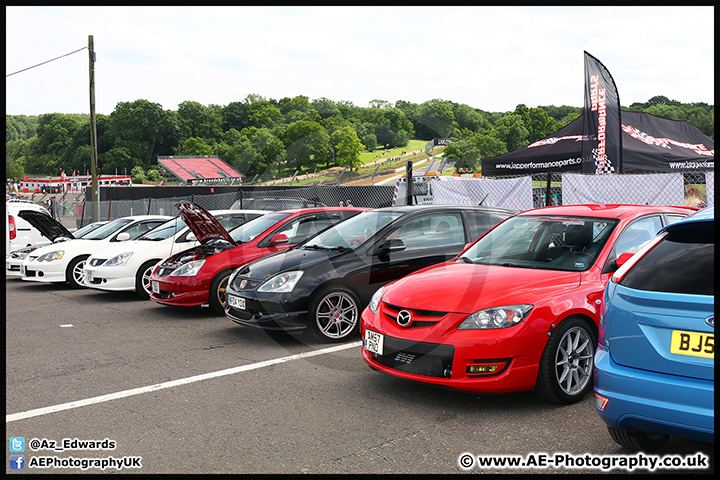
(537, 122)
(511, 130)
(137, 174)
(347, 147)
(196, 146)
(140, 127)
(470, 147)
(435, 118)
(307, 144)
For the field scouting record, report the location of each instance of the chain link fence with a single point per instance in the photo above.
(687, 188)
(249, 198)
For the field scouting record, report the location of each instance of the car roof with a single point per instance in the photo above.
(415, 208)
(238, 211)
(323, 209)
(603, 210)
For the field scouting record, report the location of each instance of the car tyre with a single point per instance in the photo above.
(566, 365)
(334, 314)
(218, 297)
(142, 279)
(75, 275)
(637, 440)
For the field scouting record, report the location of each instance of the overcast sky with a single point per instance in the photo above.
(491, 58)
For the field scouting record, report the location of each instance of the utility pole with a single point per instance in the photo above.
(95, 194)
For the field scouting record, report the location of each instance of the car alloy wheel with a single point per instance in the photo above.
(334, 314)
(75, 273)
(218, 297)
(567, 363)
(143, 287)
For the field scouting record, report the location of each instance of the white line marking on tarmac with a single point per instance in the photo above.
(173, 383)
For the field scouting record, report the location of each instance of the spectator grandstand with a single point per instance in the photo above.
(205, 169)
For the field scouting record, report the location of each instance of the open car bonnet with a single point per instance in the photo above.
(45, 224)
(204, 226)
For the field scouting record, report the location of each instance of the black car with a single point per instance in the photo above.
(325, 282)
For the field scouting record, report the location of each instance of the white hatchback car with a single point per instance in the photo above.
(14, 259)
(65, 261)
(127, 266)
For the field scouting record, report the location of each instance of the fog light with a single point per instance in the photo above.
(482, 368)
(601, 402)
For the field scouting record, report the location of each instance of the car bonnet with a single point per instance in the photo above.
(202, 223)
(45, 224)
(288, 260)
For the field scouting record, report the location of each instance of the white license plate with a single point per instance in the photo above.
(22, 269)
(236, 302)
(374, 342)
(156, 287)
(88, 276)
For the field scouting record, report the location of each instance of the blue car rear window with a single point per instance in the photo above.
(683, 262)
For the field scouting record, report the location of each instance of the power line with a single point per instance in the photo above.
(43, 63)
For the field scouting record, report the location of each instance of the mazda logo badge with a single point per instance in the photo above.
(242, 284)
(404, 318)
(710, 320)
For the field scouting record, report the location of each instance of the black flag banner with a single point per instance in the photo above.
(602, 152)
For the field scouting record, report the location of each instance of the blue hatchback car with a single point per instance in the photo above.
(654, 373)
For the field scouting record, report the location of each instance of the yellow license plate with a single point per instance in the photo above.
(693, 344)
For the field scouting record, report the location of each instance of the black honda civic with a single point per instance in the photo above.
(324, 283)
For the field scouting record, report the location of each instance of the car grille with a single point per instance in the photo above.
(97, 261)
(29, 273)
(250, 284)
(420, 317)
(13, 268)
(165, 271)
(419, 358)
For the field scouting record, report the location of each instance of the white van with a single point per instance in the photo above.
(19, 233)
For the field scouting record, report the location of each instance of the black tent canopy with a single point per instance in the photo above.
(649, 143)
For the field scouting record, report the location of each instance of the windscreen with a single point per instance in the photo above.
(166, 230)
(354, 231)
(545, 242)
(107, 229)
(248, 231)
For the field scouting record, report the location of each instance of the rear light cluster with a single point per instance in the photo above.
(11, 228)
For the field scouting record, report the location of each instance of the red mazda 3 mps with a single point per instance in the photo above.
(517, 310)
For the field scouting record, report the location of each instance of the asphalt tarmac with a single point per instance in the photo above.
(177, 390)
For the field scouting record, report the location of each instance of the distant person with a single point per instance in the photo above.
(341, 203)
(348, 204)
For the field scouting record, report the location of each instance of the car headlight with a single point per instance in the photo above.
(375, 300)
(21, 253)
(118, 260)
(283, 283)
(49, 257)
(190, 269)
(497, 317)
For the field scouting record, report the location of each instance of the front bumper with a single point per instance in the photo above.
(116, 279)
(654, 401)
(454, 358)
(12, 267)
(49, 272)
(283, 312)
(180, 292)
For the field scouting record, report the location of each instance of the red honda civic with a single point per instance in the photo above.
(517, 310)
(198, 276)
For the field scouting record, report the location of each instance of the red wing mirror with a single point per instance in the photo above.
(279, 239)
(624, 257)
